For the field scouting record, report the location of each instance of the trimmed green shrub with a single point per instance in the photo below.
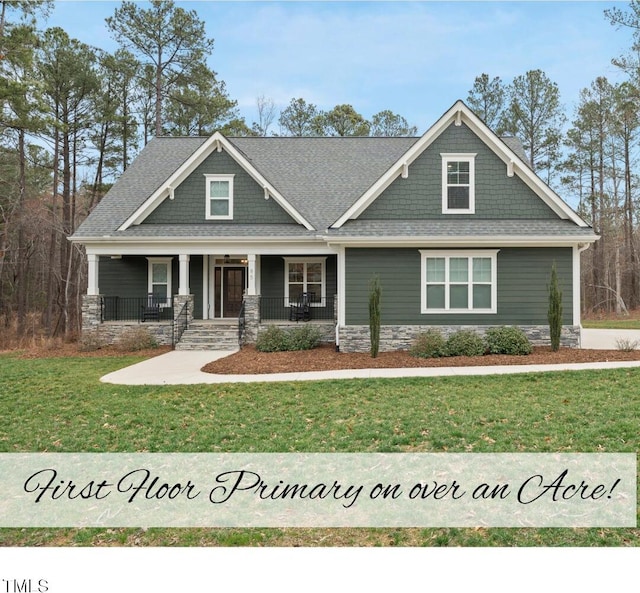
(136, 339)
(276, 339)
(507, 340)
(465, 342)
(305, 337)
(375, 294)
(429, 344)
(273, 339)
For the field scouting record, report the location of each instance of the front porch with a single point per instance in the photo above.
(220, 295)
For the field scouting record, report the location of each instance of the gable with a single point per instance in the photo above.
(189, 203)
(419, 195)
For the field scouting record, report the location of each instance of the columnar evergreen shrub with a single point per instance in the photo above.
(464, 342)
(507, 340)
(555, 310)
(375, 295)
(429, 344)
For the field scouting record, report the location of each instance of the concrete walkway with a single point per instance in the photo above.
(183, 367)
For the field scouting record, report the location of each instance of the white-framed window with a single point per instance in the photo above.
(159, 280)
(458, 281)
(458, 183)
(219, 197)
(305, 274)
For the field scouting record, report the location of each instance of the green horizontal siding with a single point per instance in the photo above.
(523, 277)
(128, 277)
(420, 195)
(189, 203)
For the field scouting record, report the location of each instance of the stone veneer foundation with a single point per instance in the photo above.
(355, 338)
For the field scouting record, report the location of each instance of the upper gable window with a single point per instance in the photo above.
(219, 197)
(458, 183)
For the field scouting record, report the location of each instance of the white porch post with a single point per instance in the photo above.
(183, 287)
(92, 274)
(251, 270)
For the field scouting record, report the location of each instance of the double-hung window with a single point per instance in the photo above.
(159, 280)
(219, 192)
(305, 275)
(458, 183)
(458, 281)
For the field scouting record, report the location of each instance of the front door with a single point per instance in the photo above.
(233, 282)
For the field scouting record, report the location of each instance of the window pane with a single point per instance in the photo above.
(435, 297)
(458, 198)
(316, 292)
(295, 290)
(459, 269)
(435, 269)
(219, 208)
(459, 297)
(482, 269)
(481, 296)
(219, 189)
(159, 273)
(458, 172)
(159, 292)
(296, 273)
(314, 272)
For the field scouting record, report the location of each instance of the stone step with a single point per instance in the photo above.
(208, 336)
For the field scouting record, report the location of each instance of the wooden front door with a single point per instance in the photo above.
(233, 282)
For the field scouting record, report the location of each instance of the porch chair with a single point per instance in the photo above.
(301, 310)
(150, 310)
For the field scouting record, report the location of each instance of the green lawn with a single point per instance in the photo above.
(59, 405)
(611, 323)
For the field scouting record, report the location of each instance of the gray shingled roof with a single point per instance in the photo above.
(319, 177)
(461, 228)
(323, 177)
(159, 159)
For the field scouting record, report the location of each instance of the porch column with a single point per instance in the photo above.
(251, 270)
(92, 274)
(183, 287)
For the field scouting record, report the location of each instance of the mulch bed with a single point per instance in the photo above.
(249, 361)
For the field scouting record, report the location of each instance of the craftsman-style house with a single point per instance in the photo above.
(208, 235)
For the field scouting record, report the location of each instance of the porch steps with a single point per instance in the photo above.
(203, 335)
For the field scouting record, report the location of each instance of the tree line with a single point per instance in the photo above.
(74, 117)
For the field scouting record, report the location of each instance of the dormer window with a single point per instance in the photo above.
(219, 194)
(458, 183)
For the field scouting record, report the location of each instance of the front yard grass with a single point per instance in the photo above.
(60, 405)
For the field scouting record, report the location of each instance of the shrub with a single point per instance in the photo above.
(626, 345)
(305, 337)
(554, 315)
(90, 342)
(465, 343)
(276, 339)
(272, 339)
(375, 294)
(507, 340)
(429, 344)
(136, 339)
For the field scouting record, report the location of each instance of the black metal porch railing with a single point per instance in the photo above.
(180, 324)
(141, 309)
(241, 324)
(279, 309)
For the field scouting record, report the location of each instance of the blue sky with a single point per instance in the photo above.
(415, 58)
